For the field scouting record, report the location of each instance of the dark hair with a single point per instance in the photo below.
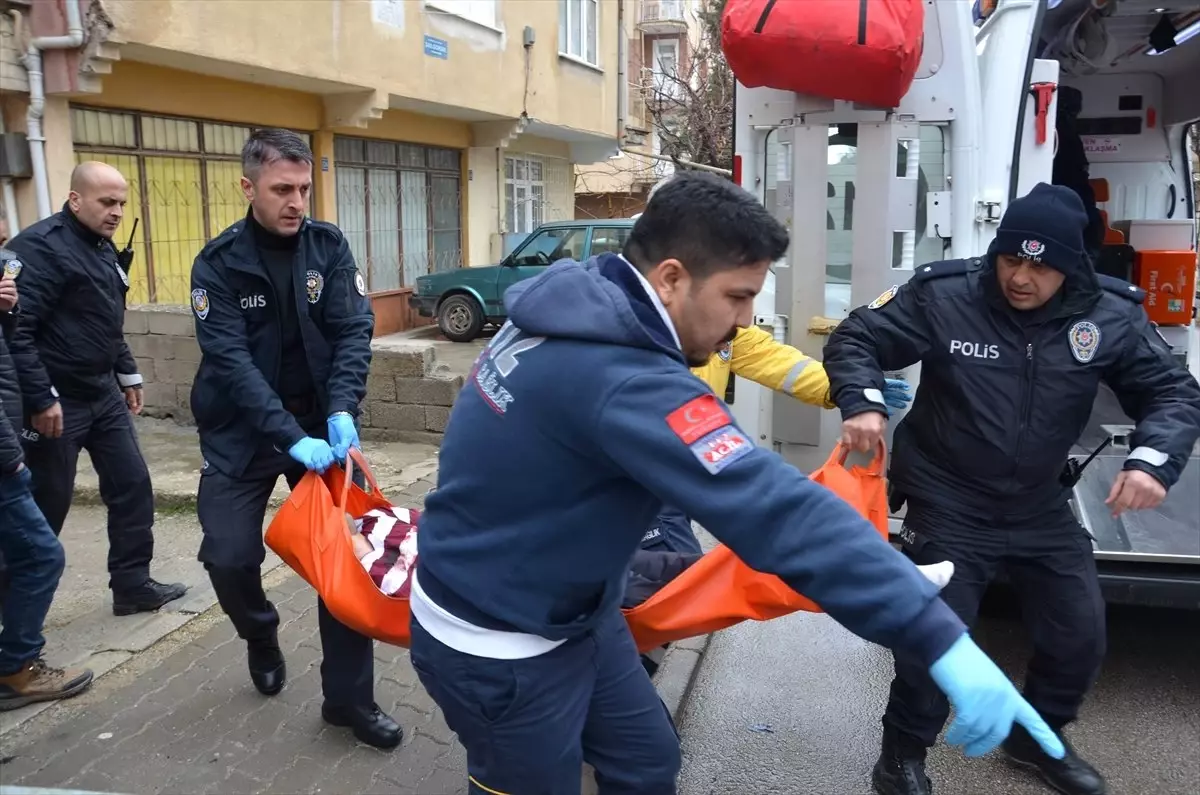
(706, 222)
(269, 145)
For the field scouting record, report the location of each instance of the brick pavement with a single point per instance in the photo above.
(194, 724)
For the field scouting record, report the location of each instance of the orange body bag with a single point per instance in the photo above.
(718, 591)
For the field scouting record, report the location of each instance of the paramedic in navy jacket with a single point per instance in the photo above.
(1012, 348)
(516, 632)
(284, 328)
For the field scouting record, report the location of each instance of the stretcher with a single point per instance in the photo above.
(309, 534)
(1142, 557)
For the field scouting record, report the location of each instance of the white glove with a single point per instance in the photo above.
(938, 573)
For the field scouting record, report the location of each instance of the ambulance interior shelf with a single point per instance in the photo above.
(1155, 256)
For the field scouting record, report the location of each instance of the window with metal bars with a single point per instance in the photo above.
(400, 207)
(184, 187)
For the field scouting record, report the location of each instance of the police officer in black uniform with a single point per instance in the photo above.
(1013, 348)
(285, 329)
(79, 380)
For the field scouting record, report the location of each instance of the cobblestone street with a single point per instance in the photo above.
(191, 722)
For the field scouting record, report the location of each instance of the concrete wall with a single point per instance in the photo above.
(409, 394)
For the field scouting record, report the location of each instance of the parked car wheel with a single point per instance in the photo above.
(461, 318)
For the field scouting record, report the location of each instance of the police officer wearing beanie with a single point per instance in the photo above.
(1013, 347)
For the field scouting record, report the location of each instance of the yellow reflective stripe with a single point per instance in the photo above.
(793, 375)
(475, 781)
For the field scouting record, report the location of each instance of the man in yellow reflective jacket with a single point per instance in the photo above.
(755, 355)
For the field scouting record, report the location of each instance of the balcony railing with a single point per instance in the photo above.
(663, 16)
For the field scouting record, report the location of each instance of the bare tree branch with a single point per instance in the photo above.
(691, 106)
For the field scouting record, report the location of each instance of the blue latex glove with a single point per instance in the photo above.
(985, 703)
(315, 454)
(896, 394)
(342, 435)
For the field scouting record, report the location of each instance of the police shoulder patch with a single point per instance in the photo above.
(12, 269)
(200, 303)
(883, 299)
(359, 284)
(725, 352)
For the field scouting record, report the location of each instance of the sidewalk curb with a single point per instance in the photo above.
(678, 672)
(163, 500)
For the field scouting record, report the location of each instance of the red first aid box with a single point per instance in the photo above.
(1169, 279)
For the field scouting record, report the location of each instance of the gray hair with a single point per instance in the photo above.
(270, 145)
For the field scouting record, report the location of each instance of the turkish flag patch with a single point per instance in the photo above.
(697, 418)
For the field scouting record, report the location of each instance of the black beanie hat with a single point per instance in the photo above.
(1046, 226)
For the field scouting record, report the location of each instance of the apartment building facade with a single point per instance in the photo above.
(438, 126)
(659, 39)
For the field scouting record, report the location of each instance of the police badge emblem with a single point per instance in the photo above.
(200, 303)
(1033, 249)
(12, 269)
(359, 284)
(1084, 338)
(888, 295)
(725, 351)
(314, 285)
(121, 272)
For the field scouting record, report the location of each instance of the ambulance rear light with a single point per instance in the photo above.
(737, 169)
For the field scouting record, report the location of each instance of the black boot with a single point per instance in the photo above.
(901, 766)
(371, 725)
(268, 671)
(1070, 775)
(146, 598)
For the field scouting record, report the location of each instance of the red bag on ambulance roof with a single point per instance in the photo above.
(864, 51)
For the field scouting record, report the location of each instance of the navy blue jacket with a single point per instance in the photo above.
(70, 337)
(1003, 395)
(579, 420)
(11, 416)
(240, 336)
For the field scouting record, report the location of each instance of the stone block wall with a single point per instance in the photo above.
(163, 342)
(409, 393)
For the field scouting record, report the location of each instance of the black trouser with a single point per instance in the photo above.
(1051, 565)
(104, 427)
(231, 512)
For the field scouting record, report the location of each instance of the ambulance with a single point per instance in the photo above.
(870, 192)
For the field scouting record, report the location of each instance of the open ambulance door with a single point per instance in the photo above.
(1127, 69)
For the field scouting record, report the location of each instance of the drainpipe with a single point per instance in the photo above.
(622, 66)
(37, 99)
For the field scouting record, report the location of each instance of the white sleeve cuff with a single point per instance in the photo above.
(1154, 458)
(128, 380)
